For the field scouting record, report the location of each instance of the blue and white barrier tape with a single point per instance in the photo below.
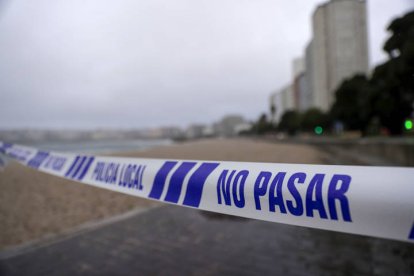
(372, 201)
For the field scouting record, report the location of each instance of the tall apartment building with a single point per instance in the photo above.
(338, 50)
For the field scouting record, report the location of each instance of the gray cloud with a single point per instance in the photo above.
(147, 63)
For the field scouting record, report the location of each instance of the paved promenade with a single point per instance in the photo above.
(172, 240)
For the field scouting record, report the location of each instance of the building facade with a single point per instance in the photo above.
(338, 50)
(230, 125)
(282, 100)
(300, 86)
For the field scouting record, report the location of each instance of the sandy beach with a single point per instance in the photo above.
(34, 205)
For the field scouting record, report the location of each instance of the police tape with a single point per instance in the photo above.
(371, 201)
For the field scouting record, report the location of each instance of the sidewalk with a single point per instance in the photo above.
(172, 240)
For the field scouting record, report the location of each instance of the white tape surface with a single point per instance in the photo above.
(372, 201)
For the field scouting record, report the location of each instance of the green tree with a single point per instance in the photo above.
(387, 98)
(314, 117)
(290, 122)
(273, 112)
(262, 126)
(393, 81)
(353, 103)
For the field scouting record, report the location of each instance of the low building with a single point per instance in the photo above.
(230, 125)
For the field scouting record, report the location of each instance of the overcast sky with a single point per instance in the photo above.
(148, 63)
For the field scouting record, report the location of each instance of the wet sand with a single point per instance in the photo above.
(34, 205)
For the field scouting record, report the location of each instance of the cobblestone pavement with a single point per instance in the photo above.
(172, 240)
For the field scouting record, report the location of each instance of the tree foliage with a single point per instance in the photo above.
(394, 80)
(290, 122)
(262, 126)
(314, 117)
(352, 105)
(389, 94)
